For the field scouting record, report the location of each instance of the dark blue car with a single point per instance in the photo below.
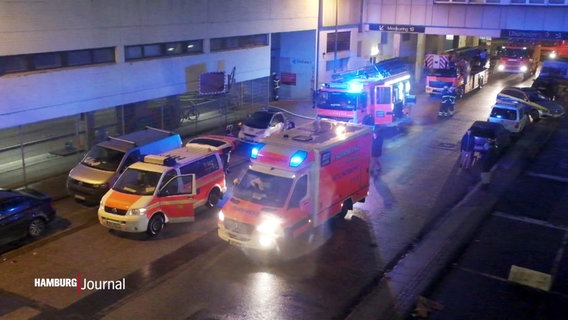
(24, 213)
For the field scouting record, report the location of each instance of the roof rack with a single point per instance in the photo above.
(380, 70)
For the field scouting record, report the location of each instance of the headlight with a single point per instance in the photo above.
(500, 67)
(269, 229)
(270, 225)
(221, 216)
(524, 68)
(136, 212)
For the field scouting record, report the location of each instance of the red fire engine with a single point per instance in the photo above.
(518, 58)
(462, 68)
(553, 49)
(375, 95)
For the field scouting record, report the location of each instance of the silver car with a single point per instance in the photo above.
(540, 105)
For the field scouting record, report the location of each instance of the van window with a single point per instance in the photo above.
(507, 114)
(103, 158)
(201, 167)
(169, 188)
(300, 191)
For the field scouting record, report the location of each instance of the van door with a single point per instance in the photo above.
(177, 196)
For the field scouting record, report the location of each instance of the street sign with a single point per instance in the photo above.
(534, 35)
(396, 27)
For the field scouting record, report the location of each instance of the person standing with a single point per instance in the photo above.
(377, 151)
(467, 150)
(488, 160)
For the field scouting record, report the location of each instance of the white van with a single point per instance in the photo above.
(91, 178)
(512, 115)
(162, 189)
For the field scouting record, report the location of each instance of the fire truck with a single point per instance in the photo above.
(520, 58)
(553, 49)
(297, 181)
(462, 68)
(375, 95)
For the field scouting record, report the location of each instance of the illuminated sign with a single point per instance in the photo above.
(396, 28)
(534, 35)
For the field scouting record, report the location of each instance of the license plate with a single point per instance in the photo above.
(114, 225)
(235, 243)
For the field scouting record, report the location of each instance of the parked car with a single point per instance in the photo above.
(224, 145)
(262, 124)
(512, 115)
(490, 133)
(24, 213)
(540, 105)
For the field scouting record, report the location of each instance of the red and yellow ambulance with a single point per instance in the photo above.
(297, 181)
(162, 189)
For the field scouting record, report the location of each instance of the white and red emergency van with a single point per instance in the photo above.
(296, 182)
(162, 189)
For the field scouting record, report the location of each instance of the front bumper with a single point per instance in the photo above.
(123, 223)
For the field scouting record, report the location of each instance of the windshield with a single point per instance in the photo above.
(514, 53)
(536, 96)
(103, 158)
(451, 72)
(136, 181)
(263, 189)
(259, 120)
(338, 100)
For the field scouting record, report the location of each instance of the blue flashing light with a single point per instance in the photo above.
(254, 151)
(355, 87)
(297, 158)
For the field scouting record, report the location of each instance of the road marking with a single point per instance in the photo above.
(548, 176)
(529, 220)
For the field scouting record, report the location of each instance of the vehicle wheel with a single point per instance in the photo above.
(534, 116)
(156, 224)
(213, 198)
(36, 228)
(347, 205)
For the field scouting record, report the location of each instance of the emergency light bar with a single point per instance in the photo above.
(254, 151)
(297, 158)
(355, 87)
(160, 160)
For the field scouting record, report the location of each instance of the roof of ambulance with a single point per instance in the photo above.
(182, 155)
(314, 135)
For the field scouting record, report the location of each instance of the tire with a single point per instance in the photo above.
(213, 198)
(36, 228)
(347, 205)
(156, 224)
(534, 116)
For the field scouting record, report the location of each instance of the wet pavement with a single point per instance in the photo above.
(515, 266)
(430, 268)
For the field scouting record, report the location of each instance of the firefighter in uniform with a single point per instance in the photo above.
(448, 102)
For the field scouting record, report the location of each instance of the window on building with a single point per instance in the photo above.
(341, 40)
(55, 60)
(239, 42)
(165, 49)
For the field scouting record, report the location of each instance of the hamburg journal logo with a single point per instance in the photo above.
(81, 283)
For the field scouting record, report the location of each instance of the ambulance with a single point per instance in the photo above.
(297, 181)
(162, 189)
